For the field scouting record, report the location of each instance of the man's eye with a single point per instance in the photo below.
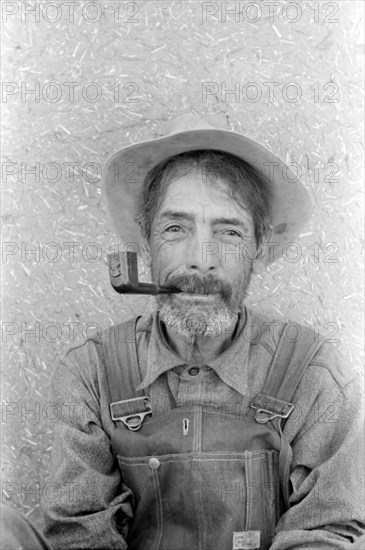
(232, 233)
(173, 229)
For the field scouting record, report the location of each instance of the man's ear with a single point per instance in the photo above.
(145, 251)
(260, 262)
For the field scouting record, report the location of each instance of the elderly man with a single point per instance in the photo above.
(202, 425)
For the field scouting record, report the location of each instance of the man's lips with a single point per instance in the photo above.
(188, 290)
(197, 295)
(193, 287)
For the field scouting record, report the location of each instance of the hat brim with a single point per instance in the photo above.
(126, 169)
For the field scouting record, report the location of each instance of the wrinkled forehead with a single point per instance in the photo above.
(194, 193)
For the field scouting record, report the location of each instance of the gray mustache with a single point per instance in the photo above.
(196, 285)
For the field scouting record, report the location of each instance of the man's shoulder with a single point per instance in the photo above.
(130, 326)
(326, 362)
(119, 332)
(85, 363)
(268, 331)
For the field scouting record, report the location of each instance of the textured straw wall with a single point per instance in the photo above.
(107, 74)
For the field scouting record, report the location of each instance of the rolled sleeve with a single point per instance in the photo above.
(327, 481)
(93, 507)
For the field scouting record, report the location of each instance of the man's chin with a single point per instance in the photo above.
(197, 316)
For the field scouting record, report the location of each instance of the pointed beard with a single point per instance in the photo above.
(196, 321)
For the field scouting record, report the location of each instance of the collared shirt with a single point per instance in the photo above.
(227, 366)
(325, 433)
(220, 383)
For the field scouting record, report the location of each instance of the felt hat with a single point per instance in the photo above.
(125, 171)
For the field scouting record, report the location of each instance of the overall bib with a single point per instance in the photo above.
(203, 479)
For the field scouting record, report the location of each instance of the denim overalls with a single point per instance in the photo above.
(202, 479)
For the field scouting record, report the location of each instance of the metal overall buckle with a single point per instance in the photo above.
(264, 415)
(131, 412)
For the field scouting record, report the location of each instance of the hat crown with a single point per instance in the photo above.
(185, 123)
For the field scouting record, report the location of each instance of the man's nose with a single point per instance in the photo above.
(202, 255)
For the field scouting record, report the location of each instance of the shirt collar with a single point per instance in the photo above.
(230, 365)
(160, 357)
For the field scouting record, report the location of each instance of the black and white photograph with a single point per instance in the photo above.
(182, 254)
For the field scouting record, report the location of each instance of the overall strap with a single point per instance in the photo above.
(274, 402)
(123, 374)
(288, 367)
(290, 362)
(121, 360)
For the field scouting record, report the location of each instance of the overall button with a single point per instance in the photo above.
(154, 463)
(193, 371)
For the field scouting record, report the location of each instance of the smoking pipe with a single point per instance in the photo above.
(123, 273)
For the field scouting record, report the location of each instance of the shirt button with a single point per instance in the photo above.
(154, 463)
(193, 371)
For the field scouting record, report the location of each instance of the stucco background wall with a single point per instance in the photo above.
(149, 61)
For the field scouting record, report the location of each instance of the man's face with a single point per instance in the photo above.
(198, 243)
